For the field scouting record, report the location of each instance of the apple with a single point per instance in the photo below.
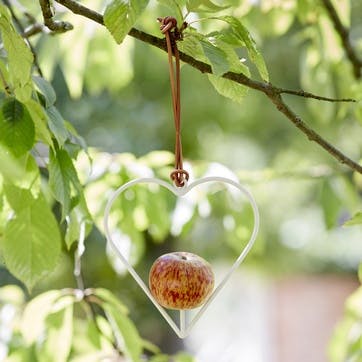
(181, 280)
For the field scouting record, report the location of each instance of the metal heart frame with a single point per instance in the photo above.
(182, 331)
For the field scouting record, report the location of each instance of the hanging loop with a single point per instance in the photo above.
(169, 27)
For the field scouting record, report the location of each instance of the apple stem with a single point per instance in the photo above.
(182, 321)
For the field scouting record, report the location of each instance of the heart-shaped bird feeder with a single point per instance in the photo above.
(184, 328)
(202, 293)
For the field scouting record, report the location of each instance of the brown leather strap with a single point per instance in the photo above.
(179, 175)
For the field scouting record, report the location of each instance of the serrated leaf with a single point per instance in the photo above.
(46, 90)
(126, 333)
(35, 313)
(59, 331)
(355, 220)
(121, 15)
(17, 130)
(228, 88)
(20, 58)
(31, 244)
(242, 37)
(57, 125)
(63, 179)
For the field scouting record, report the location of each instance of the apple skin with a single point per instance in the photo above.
(181, 280)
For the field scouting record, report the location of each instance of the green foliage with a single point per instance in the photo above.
(239, 36)
(31, 241)
(19, 55)
(121, 15)
(228, 89)
(59, 326)
(16, 127)
(48, 181)
(126, 331)
(63, 180)
(355, 220)
(49, 327)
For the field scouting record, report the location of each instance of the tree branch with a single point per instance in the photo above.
(54, 25)
(343, 33)
(272, 92)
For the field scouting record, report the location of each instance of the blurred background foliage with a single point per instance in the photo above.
(118, 100)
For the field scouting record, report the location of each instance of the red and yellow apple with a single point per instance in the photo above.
(181, 280)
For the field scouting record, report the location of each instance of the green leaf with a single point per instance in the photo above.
(31, 244)
(35, 313)
(73, 229)
(79, 215)
(18, 198)
(57, 125)
(57, 344)
(20, 58)
(21, 354)
(126, 332)
(11, 168)
(235, 63)
(216, 56)
(121, 15)
(108, 297)
(240, 36)
(46, 90)
(191, 45)
(16, 127)
(40, 119)
(355, 220)
(204, 6)
(360, 273)
(29, 179)
(63, 179)
(228, 88)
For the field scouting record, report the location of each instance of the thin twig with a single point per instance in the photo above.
(57, 26)
(32, 30)
(304, 94)
(272, 92)
(344, 35)
(21, 28)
